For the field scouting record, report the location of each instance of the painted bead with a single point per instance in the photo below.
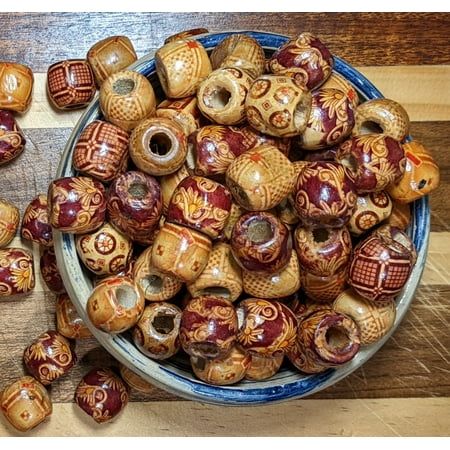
(12, 139)
(185, 34)
(101, 394)
(222, 371)
(263, 367)
(169, 184)
(50, 272)
(324, 195)
(115, 304)
(208, 327)
(25, 403)
(400, 216)
(68, 321)
(325, 339)
(9, 221)
(384, 114)
(181, 66)
(336, 81)
(49, 357)
(374, 320)
(267, 328)
(156, 333)
(286, 212)
(35, 222)
(381, 264)
(421, 175)
(374, 160)
(306, 58)
(235, 212)
(16, 86)
(324, 289)
(70, 84)
(134, 381)
(16, 271)
(261, 243)
(126, 98)
(221, 277)
(183, 111)
(260, 178)
(110, 55)
(180, 252)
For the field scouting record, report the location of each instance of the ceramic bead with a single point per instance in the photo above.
(336, 81)
(400, 216)
(101, 394)
(384, 114)
(158, 146)
(382, 263)
(374, 320)
(209, 327)
(183, 111)
(156, 333)
(49, 357)
(261, 243)
(267, 328)
(12, 139)
(185, 34)
(306, 58)
(260, 178)
(325, 339)
(221, 277)
(421, 175)
(180, 252)
(35, 224)
(126, 98)
(263, 367)
(9, 221)
(16, 271)
(181, 66)
(278, 105)
(239, 51)
(68, 321)
(16, 86)
(115, 304)
(110, 55)
(235, 212)
(222, 371)
(25, 403)
(169, 184)
(50, 272)
(324, 289)
(374, 160)
(135, 381)
(70, 84)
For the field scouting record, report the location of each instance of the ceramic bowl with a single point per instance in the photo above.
(175, 375)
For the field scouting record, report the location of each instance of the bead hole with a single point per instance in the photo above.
(259, 231)
(422, 184)
(217, 98)
(152, 284)
(217, 291)
(126, 297)
(138, 190)
(321, 235)
(337, 338)
(124, 86)
(160, 144)
(164, 323)
(370, 127)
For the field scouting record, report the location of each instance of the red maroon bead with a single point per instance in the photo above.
(35, 226)
(50, 272)
(101, 394)
(12, 139)
(16, 271)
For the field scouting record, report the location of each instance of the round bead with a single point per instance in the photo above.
(324, 289)
(263, 367)
(35, 226)
(9, 221)
(135, 381)
(183, 111)
(336, 81)
(16, 86)
(16, 271)
(12, 139)
(50, 272)
(68, 321)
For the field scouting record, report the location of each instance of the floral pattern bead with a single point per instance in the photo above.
(35, 223)
(50, 272)
(16, 271)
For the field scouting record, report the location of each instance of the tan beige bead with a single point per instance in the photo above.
(400, 216)
(16, 86)
(134, 381)
(235, 212)
(263, 367)
(68, 321)
(9, 222)
(183, 111)
(169, 184)
(338, 82)
(324, 289)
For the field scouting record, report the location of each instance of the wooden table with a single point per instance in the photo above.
(405, 388)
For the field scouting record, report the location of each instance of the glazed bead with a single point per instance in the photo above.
(12, 139)
(16, 271)
(70, 84)
(126, 98)
(306, 58)
(325, 339)
(185, 34)
(181, 66)
(156, 333)
(49, 357)
(169, 184)
(260, 178)
(381, 264)
(222, 371)
(421, 175)
(157, 287)
(239, 51)
(374, 160)
(235, 212)
(180, 252)
(201, 204)
(50, 272)
(384, 114)
(209, 327)
(25, 403)
(101, 394)
(278, 105)
(16, 86)
(374, 320)
(115, 304)
(135, 381)
(336, 81)
(267, 328)
(263, 367)
(110, 55)
(9, 221)
(35, 222)
(261, 243)
(68, 321)
(222, 277)
(135, 205)
(321, 251)
(158, 146)
(400, 216)
(324, 195)
(183, 111)
(324, 289)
